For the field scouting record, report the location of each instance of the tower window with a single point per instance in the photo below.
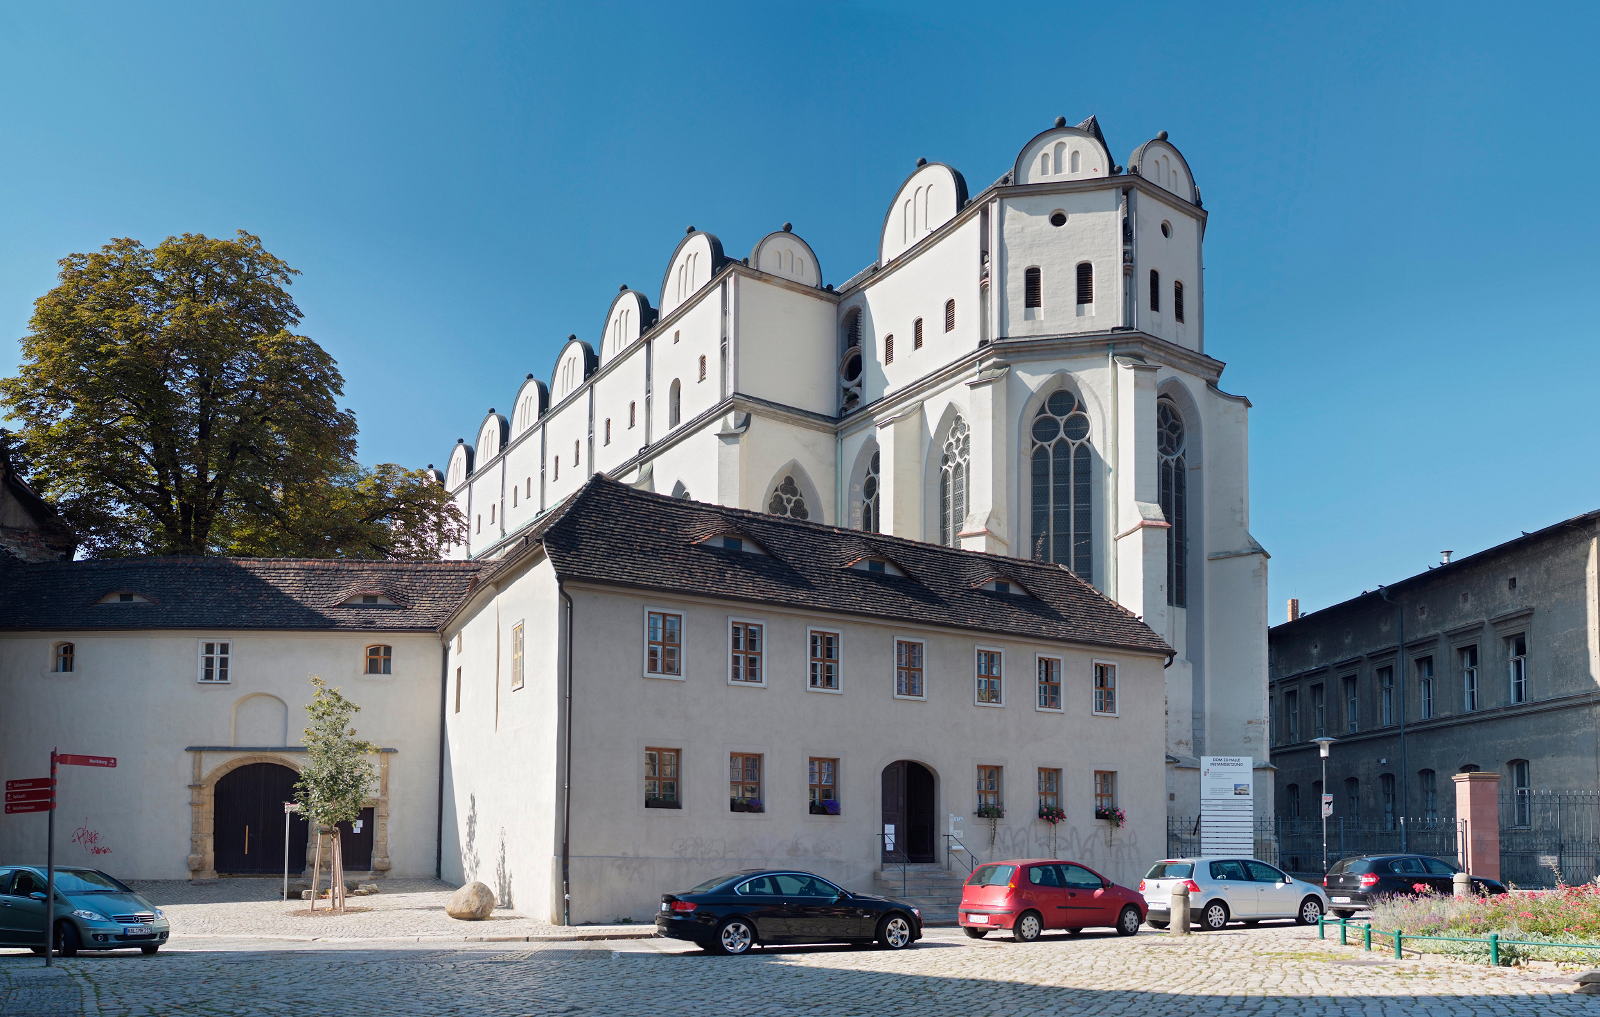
(1177, 300)
(1085, 282)
(577, 458)
(702, 367)
(633, 414)
(608, 430)
(888, 348)
(674, 404)
(916, 334)
(1155, 290)
(852, 329)
(1033, 288)
(1058, 218)
(1166, 228)
(949, 315)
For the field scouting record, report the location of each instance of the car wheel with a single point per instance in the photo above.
(974, 933)
(149, 951)
(1154, 924)
(734, 936)
(1310, 911)
(1128, 922)
(1215, 916)
(67, 940)
(894, 932)
(1027, 927)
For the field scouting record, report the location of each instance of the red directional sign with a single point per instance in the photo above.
(12, 807)
(43, 794)
(29, 784)
(69, 759)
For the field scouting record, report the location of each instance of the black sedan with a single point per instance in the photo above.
(1354, 883)
(732, 913)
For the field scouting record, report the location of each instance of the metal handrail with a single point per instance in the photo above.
(1494, 941)
(950, 840)
(894, 857)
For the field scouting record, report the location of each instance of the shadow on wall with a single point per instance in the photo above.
(469, 846)
(502, 876)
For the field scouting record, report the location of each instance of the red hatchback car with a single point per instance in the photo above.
(1028, 896)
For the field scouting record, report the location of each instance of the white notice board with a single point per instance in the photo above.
(1227, 806)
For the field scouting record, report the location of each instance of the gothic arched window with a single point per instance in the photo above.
(953, 482)
(787, 500)
(1170, 447)
(1063, 491)
(674, 403)
(871, 521)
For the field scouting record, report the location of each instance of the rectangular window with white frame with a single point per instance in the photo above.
(1105, 688)
(1467, 661)
(517, 679)
(908, 669)
(989, 677)
(663, 644)
(1049, 669)
(991, 789)
(746, 652)
(1424, 668)
(1517, 666)
(823, 666)
(216, 662)
(662, 789)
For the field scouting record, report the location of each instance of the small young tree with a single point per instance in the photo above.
(336, 779)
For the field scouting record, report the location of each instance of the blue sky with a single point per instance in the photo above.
(1400, 259)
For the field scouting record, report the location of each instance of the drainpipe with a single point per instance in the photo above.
(566, 773)
(444, 693)
(1116, 474)
(1401, 679)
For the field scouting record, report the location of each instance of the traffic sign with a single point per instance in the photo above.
(68, 759)
(29, 783)
(14, 807)
(1327, 806)
(42, 794)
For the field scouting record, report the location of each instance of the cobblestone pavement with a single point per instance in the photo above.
(1264, 972)
(402, 909)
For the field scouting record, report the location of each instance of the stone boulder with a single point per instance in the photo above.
(472, 903)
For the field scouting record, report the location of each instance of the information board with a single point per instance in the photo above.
(1227, 806)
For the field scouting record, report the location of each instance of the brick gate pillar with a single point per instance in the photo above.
(1478, 813)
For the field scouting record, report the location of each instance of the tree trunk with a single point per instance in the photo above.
(336, 894)
(316, 867)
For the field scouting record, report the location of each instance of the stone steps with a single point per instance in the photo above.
(930, 887)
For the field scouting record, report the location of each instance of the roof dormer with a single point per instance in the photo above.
(125, 597)
(877, 566)
(732, 541)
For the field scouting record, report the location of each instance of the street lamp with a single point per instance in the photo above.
(1323, 743)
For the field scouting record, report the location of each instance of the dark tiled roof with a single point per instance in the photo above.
(232, 593)
(610, 533)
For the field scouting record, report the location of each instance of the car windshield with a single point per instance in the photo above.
(1352, 865)
(1170, 870)
(712, 884)
(991, 875)
(87, 881)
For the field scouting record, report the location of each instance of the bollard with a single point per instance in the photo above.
(1494, 949)
(1398, 936)
(1366, 937)
(1322, 926)
(1461, 883)
(1344, 929)
(1179, 918)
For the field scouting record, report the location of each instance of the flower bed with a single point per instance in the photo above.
(1561, 917)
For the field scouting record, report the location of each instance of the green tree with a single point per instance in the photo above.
(168, 407)
(338, 774)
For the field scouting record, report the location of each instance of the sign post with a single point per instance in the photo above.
(37, 794)
(288, 808)
(50, 877)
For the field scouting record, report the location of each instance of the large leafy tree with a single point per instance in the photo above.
(169, 407)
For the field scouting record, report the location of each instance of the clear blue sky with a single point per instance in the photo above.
(1401, 256)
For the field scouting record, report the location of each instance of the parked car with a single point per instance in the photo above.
(1222, 890)
(1031, 896)
(1353, 883)
(735, 912)
(94, 911)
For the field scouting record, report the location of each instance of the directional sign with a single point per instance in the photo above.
(29, 784)
(1327, 806)
(43, 794)
(68, 759)
(14, 807)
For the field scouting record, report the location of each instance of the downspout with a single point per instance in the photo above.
(1116, 476)
(444, 695)
(1401, 678)
(566, 771)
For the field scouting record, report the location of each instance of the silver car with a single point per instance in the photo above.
(1223, 890)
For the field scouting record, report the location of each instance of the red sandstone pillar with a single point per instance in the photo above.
(1478, 812)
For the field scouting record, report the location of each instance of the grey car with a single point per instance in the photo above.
(1222, 890)
(94, 911)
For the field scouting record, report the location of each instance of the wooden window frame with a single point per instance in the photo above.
(663, 643)
(920, 669)
(737, 787)
(64, 653)
(518, 676)
(983, 793)
(222, 659)
(1099, 700)
(1105, 789)
(979, 677)
(813, 661)
(654, 783)
(739, 654)
(1050, 797)
(1040, 685)
(819, 790)
(384, 659)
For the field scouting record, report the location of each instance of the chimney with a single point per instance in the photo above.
(1444, 557)
(1294, 608)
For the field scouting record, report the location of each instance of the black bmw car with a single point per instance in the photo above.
(1355, 883)
(734, 912)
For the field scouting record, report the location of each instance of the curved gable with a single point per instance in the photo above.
(627, 319)
(492, 434)
(696, 259)
(1062, 153)
(1159, 161)
(460, 467)
(930, 197)
(533, 398)
(785, 255)
(573, 367)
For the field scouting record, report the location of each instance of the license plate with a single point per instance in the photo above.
(978, 919)
(136, 930)
(1340, 900)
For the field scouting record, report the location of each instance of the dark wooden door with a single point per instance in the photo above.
(356, 847)
(908, 807)
(247, 821)
(894, 811)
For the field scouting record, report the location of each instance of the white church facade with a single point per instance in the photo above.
(1021, 372)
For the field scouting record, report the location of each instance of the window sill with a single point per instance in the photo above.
(203, 681)
(746, 685)
(1049, 709)
(992, 706)
(909, 699)
(664, 677)
(830, 692)
(1103, 713)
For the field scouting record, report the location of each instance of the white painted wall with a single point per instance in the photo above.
(1092, 232)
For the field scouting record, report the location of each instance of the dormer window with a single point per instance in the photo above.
(1005, 586)
(124, 597)
(877, 566)
(368, 599)
(733, 542)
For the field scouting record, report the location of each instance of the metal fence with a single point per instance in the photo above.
(1543, 833)
(1296, 844)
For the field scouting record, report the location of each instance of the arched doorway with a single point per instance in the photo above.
(247, 829)
(908, 808)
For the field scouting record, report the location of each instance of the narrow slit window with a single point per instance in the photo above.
(949, 315)
(1085, 283)
(888, 348)
(1033, 288)
(1177, 300)
(1155, 290)
(916, 334)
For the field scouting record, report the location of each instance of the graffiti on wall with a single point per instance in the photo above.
(89, 840)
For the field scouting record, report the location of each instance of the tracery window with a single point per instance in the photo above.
(1063, 491)
(788, 501)
(871, 520)
(953, 482)
(1174, 469)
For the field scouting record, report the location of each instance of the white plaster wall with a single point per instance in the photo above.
(134, 696)
(1177, 258)
(926, 201)
(622, 383)
(487, 523)
(521, 464)
(566, 428)
(785, 346)
(625, 856)
(692, 460)
(772, 448)
(1092, 232)
(698, 333)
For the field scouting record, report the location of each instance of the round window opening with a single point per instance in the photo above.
(1058, 218)
(1166, 229)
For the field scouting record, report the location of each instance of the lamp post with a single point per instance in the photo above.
(1323, 742)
